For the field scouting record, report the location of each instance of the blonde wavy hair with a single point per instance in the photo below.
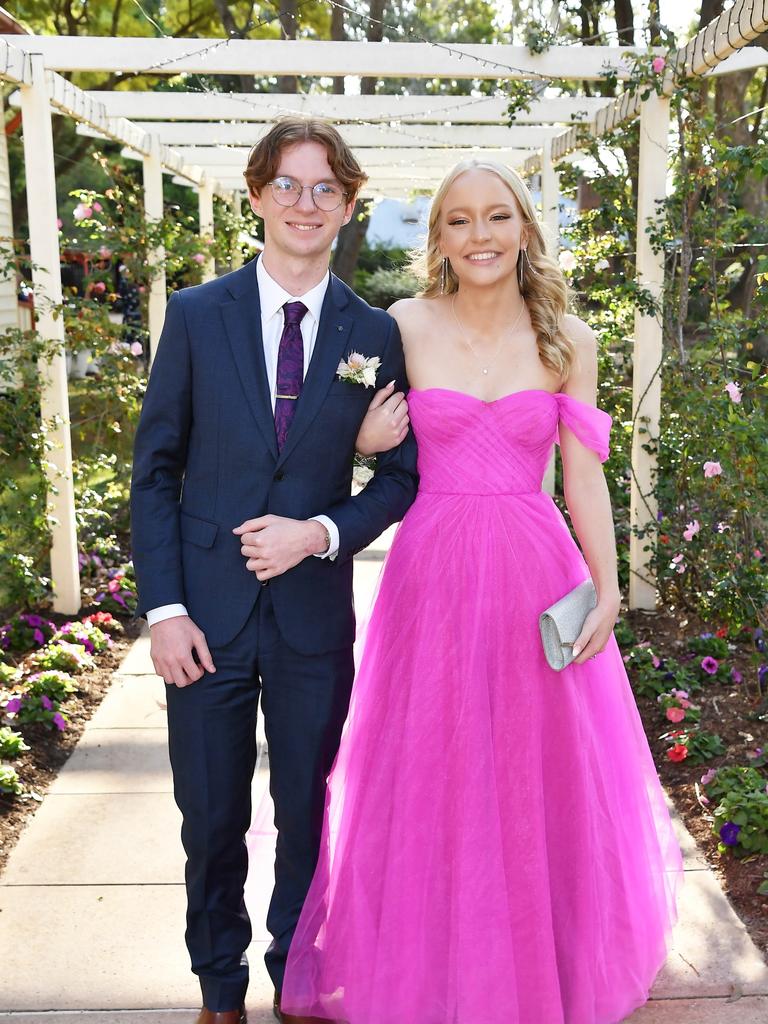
(544, 288)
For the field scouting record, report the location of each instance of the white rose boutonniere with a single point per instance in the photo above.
(359, 369)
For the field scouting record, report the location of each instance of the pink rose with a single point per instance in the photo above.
(104, 252)
(99, 287)
(712, 469)
(199, 258)
(114, 586)
(59, 223)
(97, 207)
(691, 529)
(658, 64)
(82, 211)
(136, 348)
(734, 392)
(675, 714)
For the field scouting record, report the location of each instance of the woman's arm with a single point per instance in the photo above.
(588, 501)
(385, 424)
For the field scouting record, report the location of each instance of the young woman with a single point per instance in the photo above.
(496, 847)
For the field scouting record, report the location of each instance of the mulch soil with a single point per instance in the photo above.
(39, 766)
(729, 710)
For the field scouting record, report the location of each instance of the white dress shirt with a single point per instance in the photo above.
(272, 298)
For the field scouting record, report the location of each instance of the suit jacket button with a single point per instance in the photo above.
(278, 476)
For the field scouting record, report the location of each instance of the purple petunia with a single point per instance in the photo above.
(46, 702)
(736, 676)
(34, 620)
(708, 776)
(710, 665)
(13, 706)
(729, 833)
(59, 721)
(38, 636)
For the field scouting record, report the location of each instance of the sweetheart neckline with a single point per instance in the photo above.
(493, 401)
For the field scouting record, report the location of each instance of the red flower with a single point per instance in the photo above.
(664, 538)
(678, 753)
(722, 632)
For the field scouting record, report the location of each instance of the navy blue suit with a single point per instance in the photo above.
(206, 460)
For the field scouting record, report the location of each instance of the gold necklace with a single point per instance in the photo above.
(483, 368)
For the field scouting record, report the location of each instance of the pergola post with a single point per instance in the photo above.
(206, 226)
(153, 211)
(46, 278)
(648, 348)
(550, 198)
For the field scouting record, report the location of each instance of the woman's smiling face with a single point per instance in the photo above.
(481, 228)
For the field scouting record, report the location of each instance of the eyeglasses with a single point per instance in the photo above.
(288, 191)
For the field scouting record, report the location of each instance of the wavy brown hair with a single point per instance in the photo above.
(264, 158)
(544, 288)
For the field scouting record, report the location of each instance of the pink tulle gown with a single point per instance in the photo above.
(496, 848)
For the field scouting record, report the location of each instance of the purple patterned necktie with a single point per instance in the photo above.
(290, 369)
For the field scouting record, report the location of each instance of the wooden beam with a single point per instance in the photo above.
(249, 107)
(230, 157)
(321, 58)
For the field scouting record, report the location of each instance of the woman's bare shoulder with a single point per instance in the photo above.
(412, 314)
(580, 333)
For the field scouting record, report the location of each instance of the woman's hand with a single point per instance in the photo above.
(385, 424)
(597, 630)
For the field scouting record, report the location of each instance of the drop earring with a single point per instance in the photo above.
(443, 274)
(520, 268)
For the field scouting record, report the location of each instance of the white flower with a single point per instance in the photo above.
(359, 369)
(567, 261)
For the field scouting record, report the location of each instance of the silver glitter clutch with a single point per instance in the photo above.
(562, 622)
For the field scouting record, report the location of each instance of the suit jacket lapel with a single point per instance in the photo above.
(242, 319)
(332, 340)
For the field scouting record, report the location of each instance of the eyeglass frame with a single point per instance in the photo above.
(288, 206)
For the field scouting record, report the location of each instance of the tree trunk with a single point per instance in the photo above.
(288, 24)
(235, 32)
(375, 33)
(338, 34)
(625, 22)
(351, 238)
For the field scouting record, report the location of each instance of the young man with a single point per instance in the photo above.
(243, 537)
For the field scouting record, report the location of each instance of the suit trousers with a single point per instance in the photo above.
(212, 742)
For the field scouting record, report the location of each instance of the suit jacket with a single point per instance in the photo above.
(206, 460)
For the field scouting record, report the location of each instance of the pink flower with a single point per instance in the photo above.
(114, 586)
(675, 714)
(99, 287)
(677, 564)
(136, 348)
(708, 776)
(59, 223)
(658, 64)
(97, 207)
(104, 252)
(655, 661)
(199, 258)
(680, 694)
(82, 211)
(712, 469)
(59, 721)
(710, 665)
(691, 529)
(734, 391)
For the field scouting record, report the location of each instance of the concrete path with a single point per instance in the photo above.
(92, 900)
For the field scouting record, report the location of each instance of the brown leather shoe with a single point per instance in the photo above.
(289, 1018)
(222, 1016)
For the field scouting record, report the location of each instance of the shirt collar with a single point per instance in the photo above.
(273, 296)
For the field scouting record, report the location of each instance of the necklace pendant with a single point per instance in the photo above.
(485, 370)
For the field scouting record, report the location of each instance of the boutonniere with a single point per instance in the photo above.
(359, 369)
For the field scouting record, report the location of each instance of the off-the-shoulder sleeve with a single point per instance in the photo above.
(592, 426)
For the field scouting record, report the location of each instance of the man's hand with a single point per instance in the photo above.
(175, 641)
(385, 424)
(274, 544)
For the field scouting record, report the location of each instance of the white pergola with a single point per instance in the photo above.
(405, 144)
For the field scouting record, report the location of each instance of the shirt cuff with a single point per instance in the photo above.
(165, 611)
(333, 531)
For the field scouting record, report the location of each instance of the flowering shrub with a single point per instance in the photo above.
(8, 674)
(677, 707)
(120, 595)
(11, 743)
(741, 811)
(92, 638)
(25, 632)
(9, 780)
(106, 622)
(652, 675)
(63, 656)
(693, 745)
(57, 686)
(26, 709)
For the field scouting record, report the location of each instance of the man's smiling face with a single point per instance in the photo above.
(301, 231)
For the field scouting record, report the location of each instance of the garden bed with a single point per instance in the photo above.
(50, 748)
(735, 713)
